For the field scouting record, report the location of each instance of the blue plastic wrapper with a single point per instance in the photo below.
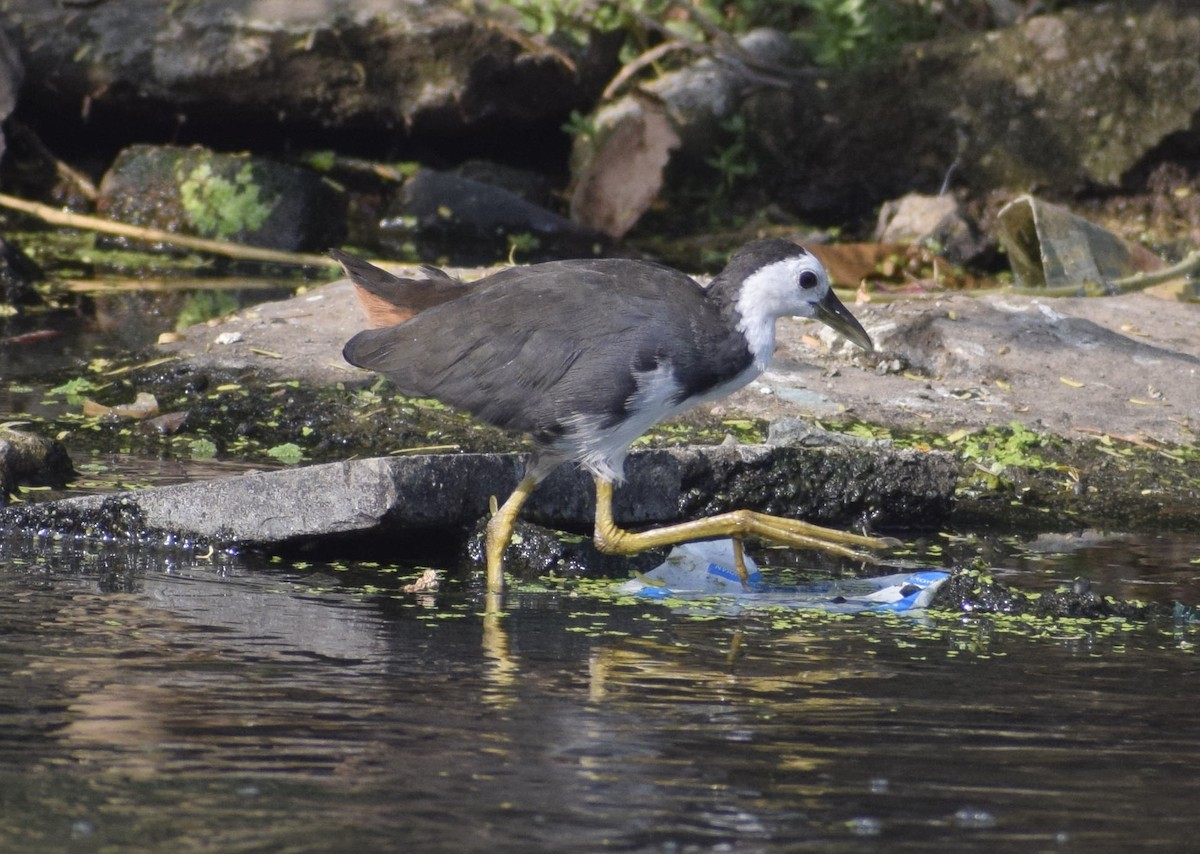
(704, 570)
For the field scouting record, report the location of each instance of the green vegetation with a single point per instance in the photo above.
(222, 207)
(836, 32)
(205, 305)
(734, 161)
(846, 32)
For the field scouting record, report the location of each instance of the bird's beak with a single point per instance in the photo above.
(837, 317)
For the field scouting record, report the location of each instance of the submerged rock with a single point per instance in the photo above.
(975, 592)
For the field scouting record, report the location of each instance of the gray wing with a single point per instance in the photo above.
(532, 346)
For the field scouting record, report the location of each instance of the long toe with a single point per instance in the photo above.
(814, 535)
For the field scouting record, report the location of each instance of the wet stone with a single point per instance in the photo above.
(394, 497)
(972, 591)
(536, 551)
(29, 458)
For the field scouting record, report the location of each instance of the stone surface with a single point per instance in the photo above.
(1059, 102)
(408, 495)
(1127, 365)
(1131, 364)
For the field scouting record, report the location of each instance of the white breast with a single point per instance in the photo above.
(601, 450)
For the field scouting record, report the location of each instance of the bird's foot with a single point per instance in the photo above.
(738, 524)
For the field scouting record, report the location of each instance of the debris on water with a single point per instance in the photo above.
(703, 570)
(144, 406)
(427, 582)
(975, 818)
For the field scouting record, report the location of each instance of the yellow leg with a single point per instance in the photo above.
(739, 563)
(499, 532)
(736, 524)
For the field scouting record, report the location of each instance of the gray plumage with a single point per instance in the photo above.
(534, 346)
(585, 355)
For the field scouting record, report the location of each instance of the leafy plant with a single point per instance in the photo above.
(735, 160)
(288, 453)
(845, 32)
(221, 207)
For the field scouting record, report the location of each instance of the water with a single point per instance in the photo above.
(161, 703)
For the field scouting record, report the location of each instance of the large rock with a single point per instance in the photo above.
(409, 495)
(230, 70)
(620, 165)
(1059, 102)
(439, 215)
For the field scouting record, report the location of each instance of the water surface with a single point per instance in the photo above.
(162, 703)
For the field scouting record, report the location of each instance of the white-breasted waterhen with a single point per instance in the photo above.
(586, 355)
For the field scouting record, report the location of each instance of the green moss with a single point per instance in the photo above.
(223, 207)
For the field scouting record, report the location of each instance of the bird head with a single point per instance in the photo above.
(780, 279)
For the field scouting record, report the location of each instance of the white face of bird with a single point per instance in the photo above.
(797, 286)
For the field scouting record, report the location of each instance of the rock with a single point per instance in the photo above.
(277, 71)
(1131, 366)
(1048, 246)
(972, 591)
(390, 497)
(618, 168)
(226, 196)
(536, 551)
(1062, 101)
(533, 187)
(985, 360)
(29, 458)
(937, 221)
(442, 215)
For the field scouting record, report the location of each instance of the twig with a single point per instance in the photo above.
(54, 216)
(104, 286)
(1129, 284)
(1140, 281)
(635, 65)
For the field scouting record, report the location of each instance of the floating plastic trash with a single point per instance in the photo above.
(704, 570)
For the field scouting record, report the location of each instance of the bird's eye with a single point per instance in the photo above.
(808, 279)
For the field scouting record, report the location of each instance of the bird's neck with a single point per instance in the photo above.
(749, 315)
(759, 331)
(752, 316)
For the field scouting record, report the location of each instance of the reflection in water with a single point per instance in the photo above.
(154, 704)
